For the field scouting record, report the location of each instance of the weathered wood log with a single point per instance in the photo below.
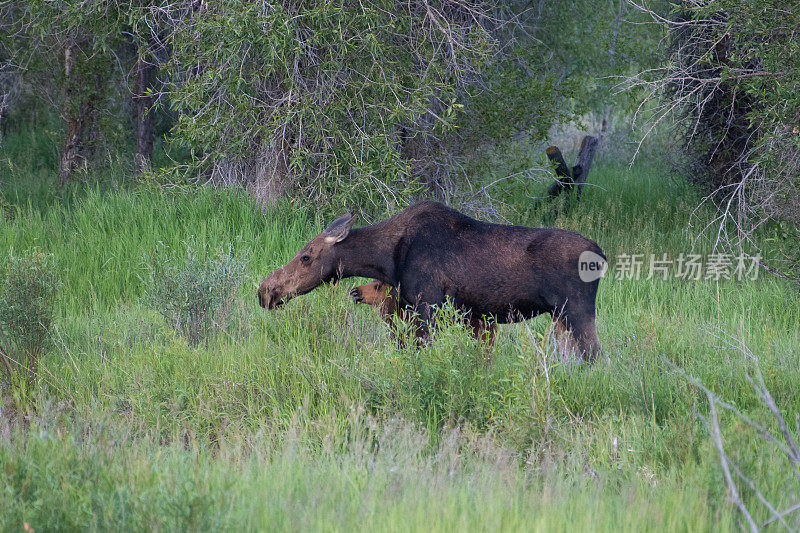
(578, 174)
(562, 171)
(585, 156)
(554, 155)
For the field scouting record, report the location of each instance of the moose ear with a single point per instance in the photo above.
(339, 228)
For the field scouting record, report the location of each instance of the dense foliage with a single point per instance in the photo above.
(733, 79)
(322, 97)
(344, 104)
(27, 302)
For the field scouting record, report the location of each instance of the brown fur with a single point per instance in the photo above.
(432, 254)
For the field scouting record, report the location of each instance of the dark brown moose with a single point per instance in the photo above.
(431, 253)
(384, 297)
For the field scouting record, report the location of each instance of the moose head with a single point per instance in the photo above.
(315, 264)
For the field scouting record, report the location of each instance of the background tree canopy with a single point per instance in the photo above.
(370, 105)
(730, 86)
(338, 103)
(321, 99)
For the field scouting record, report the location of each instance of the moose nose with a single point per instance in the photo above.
(263, 301)
(355, 293)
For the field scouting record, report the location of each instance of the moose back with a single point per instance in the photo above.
(432, 254)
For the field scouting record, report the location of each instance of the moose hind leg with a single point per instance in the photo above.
(562, 337)
(585, 338)
(575, 330)
(484, 333)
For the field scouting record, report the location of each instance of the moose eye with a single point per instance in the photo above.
(305, 259)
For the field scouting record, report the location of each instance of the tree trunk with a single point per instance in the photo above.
(419, 152)
(585, 156)
(69, 150)
(143, 101)
(272, 177)
(73, 124)
(76, 114)
(562, 171)
(612, 61)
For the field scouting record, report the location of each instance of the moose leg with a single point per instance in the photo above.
(587, 341)
(574, 330)
(490, 334)
(477, 328)
(423, 316)
(389, 319)
(583, 335)
(562, 337)
(420, 298)
(484, 334)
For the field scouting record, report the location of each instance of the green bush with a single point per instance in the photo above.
(26, 312)
(195, 296)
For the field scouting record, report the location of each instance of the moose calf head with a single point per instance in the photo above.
(378, 294)
(373, 293)
(315, 264)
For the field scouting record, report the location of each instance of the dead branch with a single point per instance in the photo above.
(716, 435)
(788, 446)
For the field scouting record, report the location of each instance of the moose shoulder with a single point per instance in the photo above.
(431, 253)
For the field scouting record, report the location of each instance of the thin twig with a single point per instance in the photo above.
(723, 461)
(790, 510)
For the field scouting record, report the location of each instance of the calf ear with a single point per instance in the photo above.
(339, 228)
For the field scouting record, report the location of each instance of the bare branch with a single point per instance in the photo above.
(716, 436)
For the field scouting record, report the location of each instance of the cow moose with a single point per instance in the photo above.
(430, 254)
(384, 297)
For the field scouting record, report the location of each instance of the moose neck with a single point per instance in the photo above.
(368, 252)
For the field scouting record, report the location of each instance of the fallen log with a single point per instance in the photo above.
(562, 171)
(579, 173)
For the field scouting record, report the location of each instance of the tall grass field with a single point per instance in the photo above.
(311, 418)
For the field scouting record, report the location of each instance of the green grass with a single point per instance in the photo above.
(311, 418)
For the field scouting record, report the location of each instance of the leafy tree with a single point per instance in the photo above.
(322, 99)
(65, 52)
(590, 46)
(336, 103)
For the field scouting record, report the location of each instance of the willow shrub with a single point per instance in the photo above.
(27, 300)
(195, 295)
(319, 100)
